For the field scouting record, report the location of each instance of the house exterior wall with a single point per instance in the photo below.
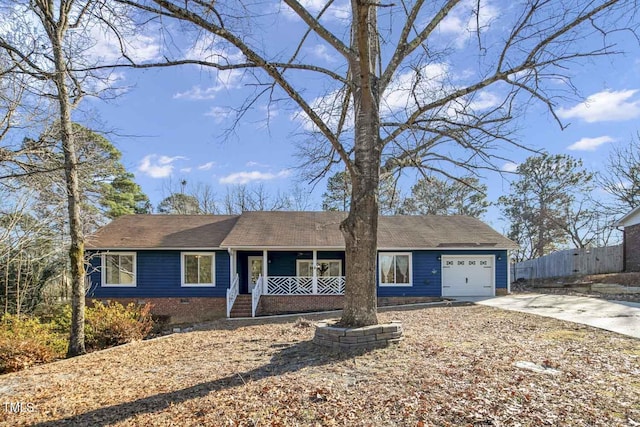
(158, 276)
(632, 248)
(427, 273)
(158, 282)
(283, 263)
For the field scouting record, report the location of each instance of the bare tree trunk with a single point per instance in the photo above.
(18, 278)
(76, 248)
(360, 228)
(6, 284)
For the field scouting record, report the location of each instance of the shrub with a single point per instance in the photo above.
(26, 341)
(113, 324)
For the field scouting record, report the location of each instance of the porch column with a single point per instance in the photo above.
(314, 280)
(508, 273)
(265, 261)
(233, 269)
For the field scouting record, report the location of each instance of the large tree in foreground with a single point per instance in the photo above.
(392, 99)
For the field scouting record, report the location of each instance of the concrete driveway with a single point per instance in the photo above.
(617, 316)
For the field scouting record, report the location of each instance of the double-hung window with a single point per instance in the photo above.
(198, 269)
(395, 269)
(119, 269)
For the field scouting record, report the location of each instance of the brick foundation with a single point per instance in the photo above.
(284, 304)
(387, 301)
(179, 310)
(632, 248)
(328, 335)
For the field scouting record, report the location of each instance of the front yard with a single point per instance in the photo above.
(455, 367)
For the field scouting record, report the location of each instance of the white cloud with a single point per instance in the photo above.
(207, 166)
(336, 11)
(208, 47)
(247, 177)
(219, 114)
(158, 166)
(484, 100)
(185, 170)
(462, 22)
(251, 164)
(107, 46)
(428, 82)
(196, 93)
(328, 108)
(510, 167)
(225, 80)
(320, 51)
(108, 82)
(605, 106)
(589, 144)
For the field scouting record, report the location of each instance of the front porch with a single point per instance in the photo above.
(283, 273)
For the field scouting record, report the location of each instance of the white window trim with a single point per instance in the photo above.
(384, 285)
(103, 273)
(198, 285)
(318, 261)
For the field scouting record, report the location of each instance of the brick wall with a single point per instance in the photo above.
(283, 304)
(387, 301)
(180, 310)
(632, 248)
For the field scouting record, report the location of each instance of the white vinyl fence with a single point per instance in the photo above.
(570, 262)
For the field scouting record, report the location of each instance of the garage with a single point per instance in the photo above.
(468, 275)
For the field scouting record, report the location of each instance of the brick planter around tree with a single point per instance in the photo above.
(374, 336)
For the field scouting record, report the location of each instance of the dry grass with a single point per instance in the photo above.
(455, 367)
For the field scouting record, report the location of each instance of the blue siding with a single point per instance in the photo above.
(427, 273)
(158, 275)
(283, 263)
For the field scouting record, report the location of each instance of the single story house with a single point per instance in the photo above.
(206, 266)
(631, 240)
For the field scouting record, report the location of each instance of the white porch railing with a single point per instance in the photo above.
(298, 285)
(232, 294)
(331, 285)
(255, 295)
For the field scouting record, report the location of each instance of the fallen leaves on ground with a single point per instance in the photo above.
(456, 366)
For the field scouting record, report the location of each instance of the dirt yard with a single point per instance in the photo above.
(455, 367)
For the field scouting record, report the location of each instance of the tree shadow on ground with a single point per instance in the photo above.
(291, 358)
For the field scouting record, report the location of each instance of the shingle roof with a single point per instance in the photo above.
(163, 231)
(321, 229)
(432, 231)
(287, 229)
(290, 230)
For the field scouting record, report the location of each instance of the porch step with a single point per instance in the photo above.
(242, 306)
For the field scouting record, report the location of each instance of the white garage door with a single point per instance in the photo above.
(468, 275)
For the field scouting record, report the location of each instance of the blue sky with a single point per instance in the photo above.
(171, 123)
